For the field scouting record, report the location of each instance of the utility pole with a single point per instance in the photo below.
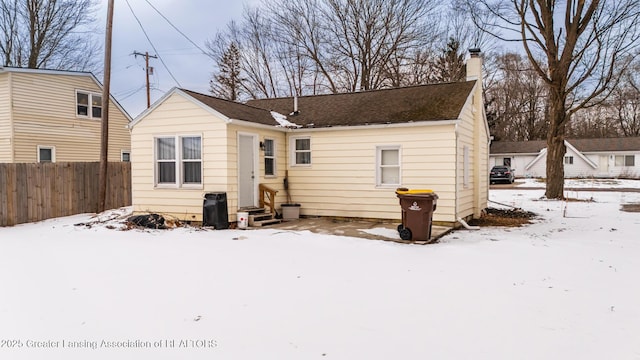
(106, 91)
(146, 67)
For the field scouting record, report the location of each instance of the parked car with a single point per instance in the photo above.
(501, 174)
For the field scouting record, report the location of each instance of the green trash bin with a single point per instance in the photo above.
(417, 214)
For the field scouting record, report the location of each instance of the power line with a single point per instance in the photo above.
(178, 30)
(151, 43)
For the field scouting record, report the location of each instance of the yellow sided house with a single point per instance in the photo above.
(55, 116)
(339, 155)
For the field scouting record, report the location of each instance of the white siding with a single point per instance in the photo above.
(5, 118)
(341, 180)
(44, 113)
(177, 116)
(472, 135)
(275, 183)
(607, 165)
(579, 169)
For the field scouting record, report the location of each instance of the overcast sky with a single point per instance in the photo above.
(197, 19)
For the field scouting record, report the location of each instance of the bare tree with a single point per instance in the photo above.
(54, 34)
(625, 102)
(593, 122)
(518, 100)
(351, 43)
(319, 46)
(577, 47)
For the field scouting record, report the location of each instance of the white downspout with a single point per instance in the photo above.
(467, 226)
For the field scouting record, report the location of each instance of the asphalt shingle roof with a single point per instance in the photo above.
(387, 106)
(584, 145)
(234, 110)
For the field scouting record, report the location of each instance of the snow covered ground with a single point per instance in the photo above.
(565, 287)
(584, 183)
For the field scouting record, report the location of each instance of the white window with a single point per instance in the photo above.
(388, 165)
(625, 160)
(46, 154)
(568, 160)
(178, 161)
(269, 157)
(301, 151)
(191, 155)
(88, 104)
(125, 155)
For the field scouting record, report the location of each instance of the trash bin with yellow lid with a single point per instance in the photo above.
(417, 206)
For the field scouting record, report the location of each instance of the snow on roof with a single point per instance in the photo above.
(282, 121)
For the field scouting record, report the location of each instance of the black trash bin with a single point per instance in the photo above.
(417, 213)
(214, 211)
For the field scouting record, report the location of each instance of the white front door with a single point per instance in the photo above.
(603, 165)
(246, 170)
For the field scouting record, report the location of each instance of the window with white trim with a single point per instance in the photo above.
(88, 104)
(191, 159)
(46, 154)
(178, 160)
(568, 160)
(269, 157)
(625, 160)
(301, 151)
(388, 165)
(125, 156)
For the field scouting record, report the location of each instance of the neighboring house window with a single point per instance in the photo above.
(46, 154)
(269, 157)
(179, 160)
(125, 156)
(506, 162)
(568, 160)
(302, 151)
(88, 104)
(625, 160)
(388, 165)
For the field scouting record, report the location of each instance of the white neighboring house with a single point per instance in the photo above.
(609, 157)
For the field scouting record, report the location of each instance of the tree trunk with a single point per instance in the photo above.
(555, 146)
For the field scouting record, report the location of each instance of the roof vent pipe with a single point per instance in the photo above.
(295, 106)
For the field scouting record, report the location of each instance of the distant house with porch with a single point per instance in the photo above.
(607, 158)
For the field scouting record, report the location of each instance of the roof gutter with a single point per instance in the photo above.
(379, 126)
(339, 128)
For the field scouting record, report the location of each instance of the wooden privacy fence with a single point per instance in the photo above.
(33, 192)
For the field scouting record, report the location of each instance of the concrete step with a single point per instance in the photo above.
(252, 210)
(266, 222)
(262, 219)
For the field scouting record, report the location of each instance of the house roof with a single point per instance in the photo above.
(234, 110)
(517, 147)
(583, 145)
(387, 106)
